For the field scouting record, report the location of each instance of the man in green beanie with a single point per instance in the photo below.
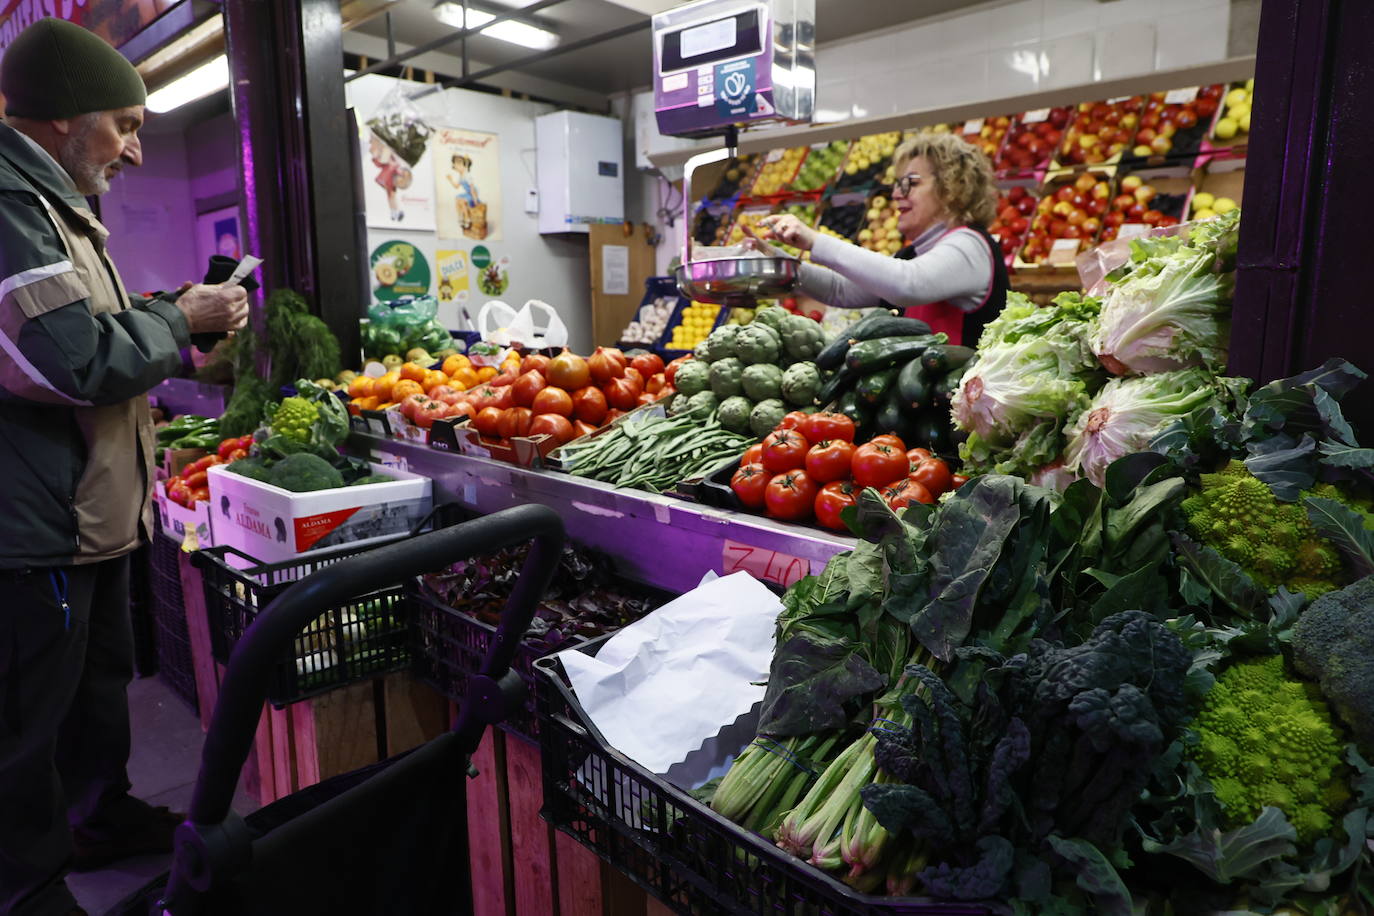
(77, 357)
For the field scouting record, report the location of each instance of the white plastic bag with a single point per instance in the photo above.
(535, 326)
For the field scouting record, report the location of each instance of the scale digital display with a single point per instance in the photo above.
(723, 39)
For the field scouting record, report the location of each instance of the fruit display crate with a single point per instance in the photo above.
(351, 642)
(655, 288)
(667, 842)
(1030, 144)
(665, 348)
(867, 162)
(172, 637)
(1071, 208)
(777, 170)
(448, 645)
(1173, 125)
(1100, 133)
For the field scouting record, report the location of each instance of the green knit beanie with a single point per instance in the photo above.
(56, 69)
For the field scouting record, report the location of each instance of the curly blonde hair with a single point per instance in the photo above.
(963, 175)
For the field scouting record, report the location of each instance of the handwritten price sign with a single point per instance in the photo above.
(769, 565)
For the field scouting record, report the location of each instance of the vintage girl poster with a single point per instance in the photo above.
(467, 184)
(397, 194)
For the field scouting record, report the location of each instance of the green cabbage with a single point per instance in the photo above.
(1127, 413)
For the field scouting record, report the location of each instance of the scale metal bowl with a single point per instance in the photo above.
(734, 281)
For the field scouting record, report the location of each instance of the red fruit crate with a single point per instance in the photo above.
(1070, 211)
(1101, 132)
(1031, 141)
(672, 845)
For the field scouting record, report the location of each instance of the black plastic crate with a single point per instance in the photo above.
(171, 636)
(448, 646)
(673, 846)
(358, 640)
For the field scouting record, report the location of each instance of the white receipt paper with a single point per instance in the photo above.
(666, 683)
(244, 268)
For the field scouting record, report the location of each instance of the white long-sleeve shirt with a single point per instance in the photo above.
(954, 267)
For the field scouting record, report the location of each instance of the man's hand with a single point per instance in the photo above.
(214, 309)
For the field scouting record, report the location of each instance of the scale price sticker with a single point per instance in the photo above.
(1181, 96)
(1133, 231)
(769, 565)
(1036, 116)
(974, 125)
(1063, 251)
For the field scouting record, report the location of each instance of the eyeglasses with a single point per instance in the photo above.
(904, 184)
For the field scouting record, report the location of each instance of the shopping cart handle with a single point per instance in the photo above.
(245, 684)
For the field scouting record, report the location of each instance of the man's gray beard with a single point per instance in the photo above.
(88, 177)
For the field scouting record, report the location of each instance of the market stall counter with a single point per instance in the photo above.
(659, 540)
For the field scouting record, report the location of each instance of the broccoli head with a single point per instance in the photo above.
(256, 468)
(1266, 739)
(371, 478)
(1333, 642)
(1274, 542)
(303, 472)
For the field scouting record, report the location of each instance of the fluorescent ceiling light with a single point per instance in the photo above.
(511, 30)
(198, 83)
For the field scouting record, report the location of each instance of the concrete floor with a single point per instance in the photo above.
(162, 767)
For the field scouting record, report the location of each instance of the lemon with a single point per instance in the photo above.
(1226, 128)
(1203, 201)
(1223, 205)
(1236, 96)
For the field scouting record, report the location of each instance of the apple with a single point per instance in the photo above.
(1142, 152)
(1131, 182)
(1085, 182)
(1143, 192)
(1091, 226)
(1161, 145)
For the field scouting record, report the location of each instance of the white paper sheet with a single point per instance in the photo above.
(666, 683)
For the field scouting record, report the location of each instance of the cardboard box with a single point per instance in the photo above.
(178, 521)
(175, 459)
(273, 525)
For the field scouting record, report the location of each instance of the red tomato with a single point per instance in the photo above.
(648, 364)
(670, 371)
(446, 393)
(515, 421)
(178, 492)
(199, 495)
(535, 362)
(832, 499)
(933, 474)
(553, 400)
(553, 424)
(646, 398)
(487, 396)
(196, 480)
(227, 446)
(829, 460)
(635, 376)
(793, 420)
(790, 496)
(877, 464)
(582, 428)
(589, 405)
(411, 402)
(917, 455)
(819, 426)
(428, 411)
(957, 481)
(505, 379)
(784, 450)
(487, 421)
(199, 464)
(623, 393)
(605, 364)
(753, 454)
(889, 439)
(613, 414)
(749, 483)
(527, 386)
(246, 442)
(236, 454)
(655, 383)
(461, 410)
(905, 492)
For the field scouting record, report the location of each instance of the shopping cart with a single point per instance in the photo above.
(388, 839)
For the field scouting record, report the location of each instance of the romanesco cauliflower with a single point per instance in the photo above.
(294, 418)
(1266, 739)
(1275, 543)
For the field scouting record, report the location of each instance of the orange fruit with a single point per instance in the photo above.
(361, 386)
(405, 388)
(369, 403)
(383, 385)
(465, 377)
(486, 374)
(413, 371)
(455, 362)
(433, 378)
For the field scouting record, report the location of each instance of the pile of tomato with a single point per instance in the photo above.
(192, 485)
(810, 467)
(565, 396)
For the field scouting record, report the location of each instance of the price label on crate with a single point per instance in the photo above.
(774, 155)
(769, 565)
(1132, 231)
(973, 125)
(1036, 116)
(1063, 252)
(376, 422)
(1181, 96)
(1118, 100)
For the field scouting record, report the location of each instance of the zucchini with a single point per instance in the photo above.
(913, 385)
(842, 380)
(943, 390)
(889, 415)
(872, 387)
(888, 326)
(932, 431)
(832, 355)
(856, 410)
(945, 358)
(871, 355)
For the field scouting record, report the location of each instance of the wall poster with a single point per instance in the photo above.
(467, 183)
(399, 269)
(397, 194)
(454, 283)
(217, 232)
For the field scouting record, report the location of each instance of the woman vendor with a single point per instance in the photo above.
(951, 274)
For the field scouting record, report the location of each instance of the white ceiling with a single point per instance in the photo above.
(609, 67)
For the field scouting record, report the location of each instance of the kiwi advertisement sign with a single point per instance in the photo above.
(399, 269)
